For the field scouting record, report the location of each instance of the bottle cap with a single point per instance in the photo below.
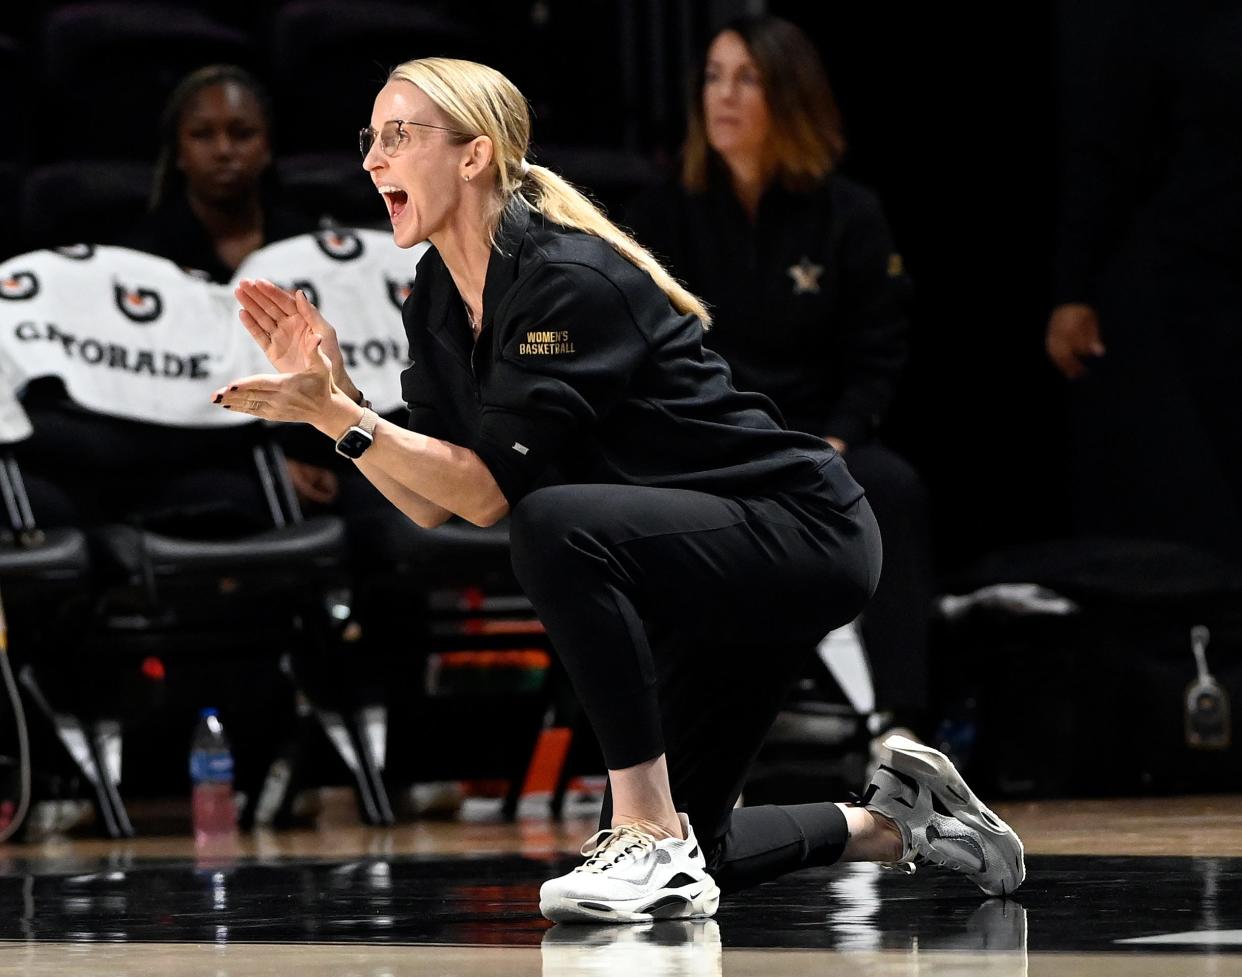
(208, 713)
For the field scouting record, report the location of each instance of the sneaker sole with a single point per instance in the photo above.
(934, 768)
(699, 903)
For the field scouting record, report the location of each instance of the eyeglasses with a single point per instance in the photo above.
(391, 133)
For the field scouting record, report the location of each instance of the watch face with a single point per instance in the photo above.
(354, 442)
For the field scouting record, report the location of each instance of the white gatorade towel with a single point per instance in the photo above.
(135, 336)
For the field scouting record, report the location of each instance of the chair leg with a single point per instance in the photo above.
(273, 806)
(72, 735)
(569, 715)
(343, 741)
(556, 803)
(512, 796)
(275, 796)
(106, 745)
(337, 730)
(524, 761)
(370, 728)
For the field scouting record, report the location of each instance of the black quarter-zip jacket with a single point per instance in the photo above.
(810, 300)
(583, 372)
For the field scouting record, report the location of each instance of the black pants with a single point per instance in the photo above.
(895, 623)
(683, 620)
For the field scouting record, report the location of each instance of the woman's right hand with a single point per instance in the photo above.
(278, 321)
(312, 484)
(1073, 338)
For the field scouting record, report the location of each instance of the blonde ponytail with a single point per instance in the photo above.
(481, 100)
(560, 202)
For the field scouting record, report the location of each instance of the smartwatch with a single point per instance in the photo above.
(358, 438)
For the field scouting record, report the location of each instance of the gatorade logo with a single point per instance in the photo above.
(339, 245)
(19, 285)
(398, 291)
(139, 304)
(312, 293)
(78, 252)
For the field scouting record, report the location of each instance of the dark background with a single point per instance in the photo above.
(951, 118)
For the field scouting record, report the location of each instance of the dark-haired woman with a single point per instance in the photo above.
(679, 545)
(809, 298)
(213, 200)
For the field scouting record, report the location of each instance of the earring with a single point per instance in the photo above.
(466, 178)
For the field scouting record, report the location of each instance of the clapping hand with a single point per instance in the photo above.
(279, 321)
(304, 393)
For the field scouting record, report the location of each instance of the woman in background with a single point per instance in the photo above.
(809, 300)
(214, 202)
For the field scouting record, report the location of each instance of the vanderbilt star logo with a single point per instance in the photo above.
(805, 275)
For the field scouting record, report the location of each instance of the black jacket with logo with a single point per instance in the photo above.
(584, 373)
(809, 301)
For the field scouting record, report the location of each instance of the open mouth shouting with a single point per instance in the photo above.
(395, 198)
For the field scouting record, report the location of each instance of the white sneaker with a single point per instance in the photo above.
(630, 877)
(942, 821)
(878, 753)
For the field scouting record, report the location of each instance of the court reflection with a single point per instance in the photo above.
(667, 948)
(993, 938)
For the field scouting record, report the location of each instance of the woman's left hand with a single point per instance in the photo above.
(304, 396)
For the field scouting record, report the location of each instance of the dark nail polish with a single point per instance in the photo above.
(232, 388)
(219, 397)
(226, 406)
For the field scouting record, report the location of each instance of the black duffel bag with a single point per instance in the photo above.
(1104, 700)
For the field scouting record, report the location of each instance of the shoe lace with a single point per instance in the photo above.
(910, 865)
(607, 847)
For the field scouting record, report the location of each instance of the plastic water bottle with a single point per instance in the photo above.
(211, 773)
